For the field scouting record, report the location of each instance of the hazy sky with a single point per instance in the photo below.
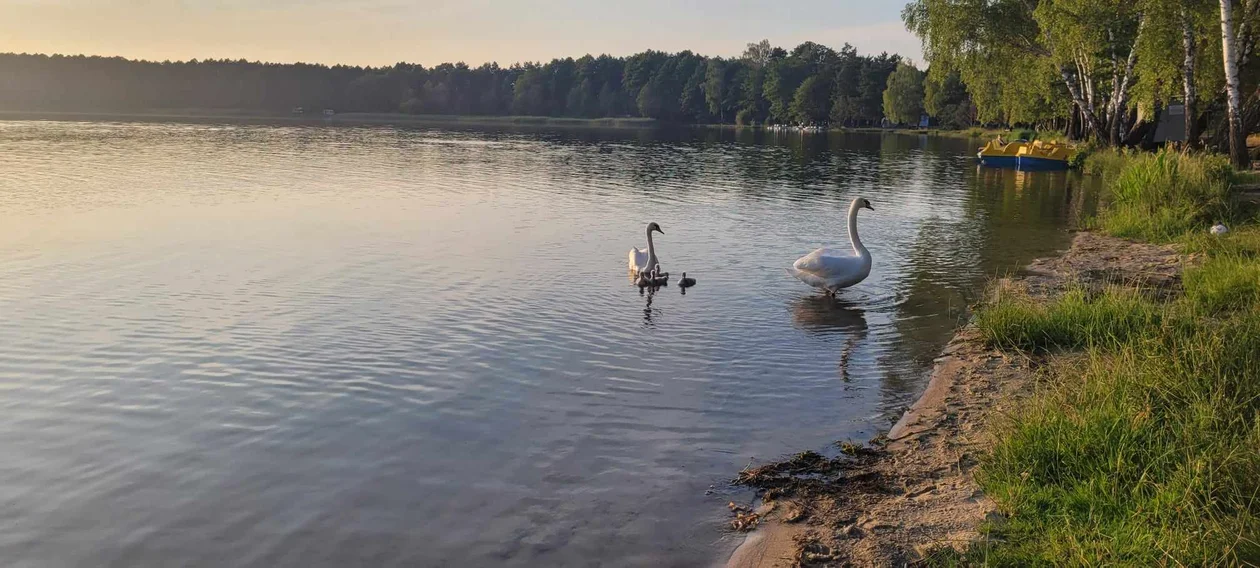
(382, 32)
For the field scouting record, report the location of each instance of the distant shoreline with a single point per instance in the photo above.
(351, 118)
(366, 118)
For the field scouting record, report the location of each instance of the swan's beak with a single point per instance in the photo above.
(868, 206)
(658, 229)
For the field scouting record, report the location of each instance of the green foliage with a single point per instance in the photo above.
(998, 51)
(755, 106)
(783, 76)
(903, 97)
(1161, 51)
(1160, 196)
(946, 99)
(531, 93)
(812, 103)
(1081, 159)
(1048, 61)
(724, 87)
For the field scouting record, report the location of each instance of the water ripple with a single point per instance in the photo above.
(392, 346)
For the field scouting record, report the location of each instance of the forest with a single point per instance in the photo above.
(1099, 70)
(811, 84)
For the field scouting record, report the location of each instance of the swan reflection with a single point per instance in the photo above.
(647, 309)
(828, 315)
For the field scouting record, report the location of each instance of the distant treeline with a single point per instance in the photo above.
(766, 85)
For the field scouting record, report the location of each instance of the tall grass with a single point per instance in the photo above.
(1146, 452)
(1078, 319)
(1224, 282)
(1158, 197)
(1106, 163)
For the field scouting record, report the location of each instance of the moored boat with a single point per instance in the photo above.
(1036, 155)
(1044, 156)
(995, 154)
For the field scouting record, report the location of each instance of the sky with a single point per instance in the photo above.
(384, 32)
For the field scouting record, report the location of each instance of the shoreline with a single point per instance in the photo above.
(400, 119)
(912, 493)
(349, 118)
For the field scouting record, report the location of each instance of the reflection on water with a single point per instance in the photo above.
(330, 346)
(824, 314)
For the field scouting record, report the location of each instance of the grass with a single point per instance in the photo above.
(1162, 196)
(1106, 163)
(1146, 450)
(1144, 454)
(1224, 282)
(1078, 319)
(1242, 240)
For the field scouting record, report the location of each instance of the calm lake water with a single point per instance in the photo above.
(256, 345)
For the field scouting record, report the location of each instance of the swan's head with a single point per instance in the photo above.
(654, 227)
(862, 203)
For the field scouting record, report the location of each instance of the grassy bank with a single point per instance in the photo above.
(1144, 450)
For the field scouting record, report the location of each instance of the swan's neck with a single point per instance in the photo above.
(651, 247)
(858, 249)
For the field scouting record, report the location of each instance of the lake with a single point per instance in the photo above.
(259, 345)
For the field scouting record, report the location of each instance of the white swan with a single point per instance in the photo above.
(642, 261)
(830, 269)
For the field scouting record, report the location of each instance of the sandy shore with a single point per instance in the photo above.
(913, 491)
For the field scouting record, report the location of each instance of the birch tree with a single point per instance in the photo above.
(1229, 53)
